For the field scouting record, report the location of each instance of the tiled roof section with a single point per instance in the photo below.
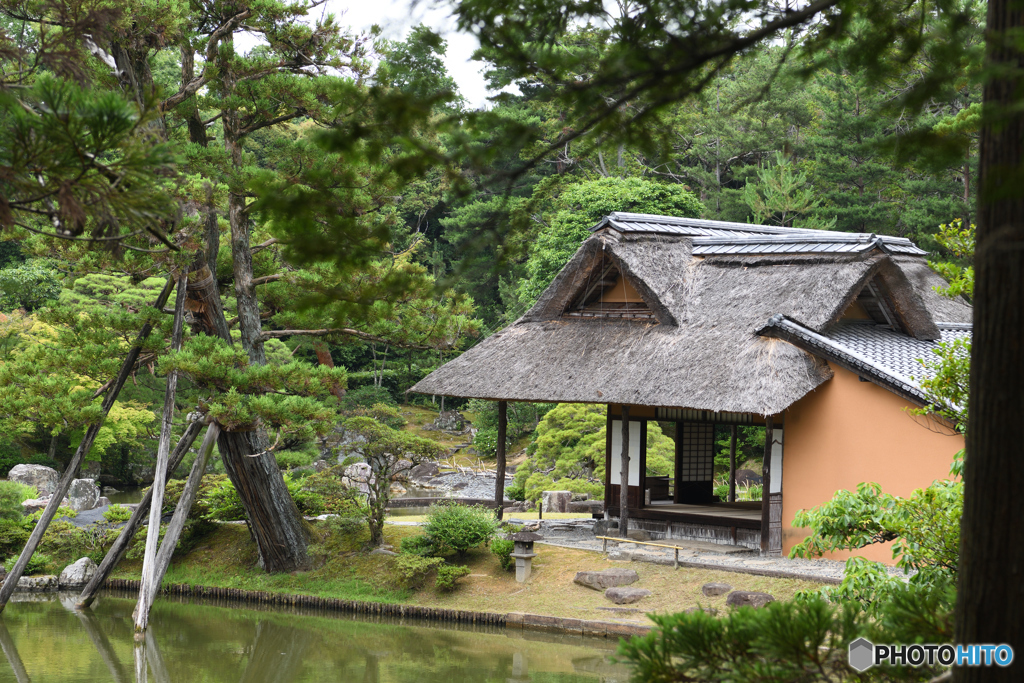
(724, 238)
(876, 352)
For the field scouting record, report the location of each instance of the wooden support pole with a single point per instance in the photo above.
(732, 464)
(499, 479)
(174, 529)
(13, 576)
(162, 456)
(124, 539)
(11, 653)
(766, 470)
(624, 474)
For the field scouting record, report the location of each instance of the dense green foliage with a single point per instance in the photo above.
(569, 449)
(11, 495)
(804, 640)
(459, 528)
(502, 549)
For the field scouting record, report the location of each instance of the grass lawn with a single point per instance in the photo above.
(227, 558)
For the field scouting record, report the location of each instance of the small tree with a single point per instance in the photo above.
(388, 452)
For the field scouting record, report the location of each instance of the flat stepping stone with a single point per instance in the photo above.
(624, 595)
(748, 599)
(606, 578)
(715, 588)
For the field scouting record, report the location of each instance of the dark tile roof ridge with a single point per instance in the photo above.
(701, 223)
(797, 239)
(852, 357)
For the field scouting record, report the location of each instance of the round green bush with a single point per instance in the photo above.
(11, 495)
(502, 549)
(457, 528)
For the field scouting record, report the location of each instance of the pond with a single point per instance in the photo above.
(44, 639)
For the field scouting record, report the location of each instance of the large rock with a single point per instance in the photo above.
(748, 599)
(556, 501)
(623, 595)
(448, 421)
(424, 472)
(748, 478)
(38, 583)
(401, 470)
(358, 475)
(83, 494)
(593, 507)
(77, 574)
(638, 535)
(44, 479)
(349, 445)
(36, 504)
(606, 527)
(713, 589)
(606, 578)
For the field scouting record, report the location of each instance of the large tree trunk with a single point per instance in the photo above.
(990, 599)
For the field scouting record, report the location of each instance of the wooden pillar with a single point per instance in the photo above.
(732, 464)
(766, 470)
(624, 483)
(499, 478)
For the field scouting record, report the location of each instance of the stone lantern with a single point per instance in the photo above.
(524, 553)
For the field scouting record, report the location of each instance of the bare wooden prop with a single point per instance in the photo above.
(174, 529)
(11, 582)
(624, 474)
(499, 473)
(102, 643)
(11, 653)
(124, 539)
(732, 464)
(162, 456)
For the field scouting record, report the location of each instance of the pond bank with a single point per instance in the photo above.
(538, 622)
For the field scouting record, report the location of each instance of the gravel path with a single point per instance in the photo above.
(578, 534)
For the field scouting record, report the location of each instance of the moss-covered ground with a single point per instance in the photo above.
(227, 558)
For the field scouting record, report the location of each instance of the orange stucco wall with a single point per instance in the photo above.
(847, 432)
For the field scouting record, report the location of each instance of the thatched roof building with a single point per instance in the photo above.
(725, 317)
(704, 324)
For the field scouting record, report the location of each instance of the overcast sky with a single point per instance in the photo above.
(396, 17)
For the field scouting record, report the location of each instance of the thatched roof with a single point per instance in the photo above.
(698, 346)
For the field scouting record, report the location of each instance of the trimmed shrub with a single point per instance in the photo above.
(38, 564)
(502, 549)
(11, 495)
(116, 514)
(418, 545)
(413, 570)
(331, 496)
(457, 528)
(12, 537)
(448, 575)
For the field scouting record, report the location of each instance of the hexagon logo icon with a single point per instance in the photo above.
(862, 654)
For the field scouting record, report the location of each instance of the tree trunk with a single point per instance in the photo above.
(624, 475)
(274, 520)
(499, 469)
(990, 598)
(11, 582)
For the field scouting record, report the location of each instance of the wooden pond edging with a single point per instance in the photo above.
(514, 620)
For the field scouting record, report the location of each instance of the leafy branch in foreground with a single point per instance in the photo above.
(801, 641)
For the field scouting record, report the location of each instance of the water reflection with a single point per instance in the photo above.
(44, 638)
